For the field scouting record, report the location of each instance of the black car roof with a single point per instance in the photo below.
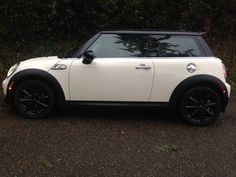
(153, 32)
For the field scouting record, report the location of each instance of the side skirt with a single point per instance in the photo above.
(118, 104)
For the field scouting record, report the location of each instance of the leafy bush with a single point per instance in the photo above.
(32, 20)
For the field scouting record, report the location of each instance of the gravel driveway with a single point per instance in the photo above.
(112, 142)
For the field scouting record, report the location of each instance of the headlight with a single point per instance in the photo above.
(12, 69)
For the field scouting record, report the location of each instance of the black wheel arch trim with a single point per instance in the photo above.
(200, 80)
(36, 74)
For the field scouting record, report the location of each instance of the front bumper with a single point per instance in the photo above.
(7, 98)
(4, 86)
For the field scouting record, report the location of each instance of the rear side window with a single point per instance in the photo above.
(174, 46)
(120, 45)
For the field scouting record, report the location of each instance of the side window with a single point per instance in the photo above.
(120, 45)
(174, 46)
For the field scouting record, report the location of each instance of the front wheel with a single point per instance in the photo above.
(34, 99)
(200, 106)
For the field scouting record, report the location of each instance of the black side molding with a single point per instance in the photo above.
(36, 74)
(200, 80)
(118, 103)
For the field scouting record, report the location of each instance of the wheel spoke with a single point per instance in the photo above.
(25, 99)
(191, 107)
(208, 112)
(43, 97)
(26, 92)
(195, 101)
(42, 104)
(194, 112)
(210, 104)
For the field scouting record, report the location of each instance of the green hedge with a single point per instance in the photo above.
(30, 20)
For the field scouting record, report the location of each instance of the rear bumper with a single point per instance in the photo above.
(226, 96)
(228, 87)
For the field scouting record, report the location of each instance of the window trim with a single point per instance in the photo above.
(201, 44)
(203, 53)
(90, 42)
(205, 47)
(95, 38)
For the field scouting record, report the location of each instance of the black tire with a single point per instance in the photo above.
(34, 99)
(200, 106)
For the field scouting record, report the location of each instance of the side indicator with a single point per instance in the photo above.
(10, 87)
(59, 67)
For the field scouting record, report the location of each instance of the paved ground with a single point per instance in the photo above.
(116, 143)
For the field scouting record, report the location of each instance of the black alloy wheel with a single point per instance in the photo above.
(200, 106)
(34, 99)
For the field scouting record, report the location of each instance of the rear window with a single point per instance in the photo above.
(174, 46)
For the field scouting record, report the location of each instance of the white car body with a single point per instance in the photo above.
(110, 79)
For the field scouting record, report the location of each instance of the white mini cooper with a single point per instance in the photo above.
(125, 68)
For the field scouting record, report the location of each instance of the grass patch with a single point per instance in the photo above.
(47, 164)
(168, 148)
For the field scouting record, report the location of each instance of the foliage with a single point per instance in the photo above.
(31, 20)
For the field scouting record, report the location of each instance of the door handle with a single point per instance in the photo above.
(143, 66)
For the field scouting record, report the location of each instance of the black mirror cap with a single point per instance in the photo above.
(88, 57)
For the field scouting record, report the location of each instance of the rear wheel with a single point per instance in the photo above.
(34, 99)
(200, 106)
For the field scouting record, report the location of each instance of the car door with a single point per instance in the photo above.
(121, 70)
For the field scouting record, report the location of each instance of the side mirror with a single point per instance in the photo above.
(88, 57)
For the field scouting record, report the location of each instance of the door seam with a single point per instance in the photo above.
(153, 78)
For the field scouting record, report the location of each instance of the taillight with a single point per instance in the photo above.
(224, 70)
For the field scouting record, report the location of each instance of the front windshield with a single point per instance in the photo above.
(71, 52)
(74, 52)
